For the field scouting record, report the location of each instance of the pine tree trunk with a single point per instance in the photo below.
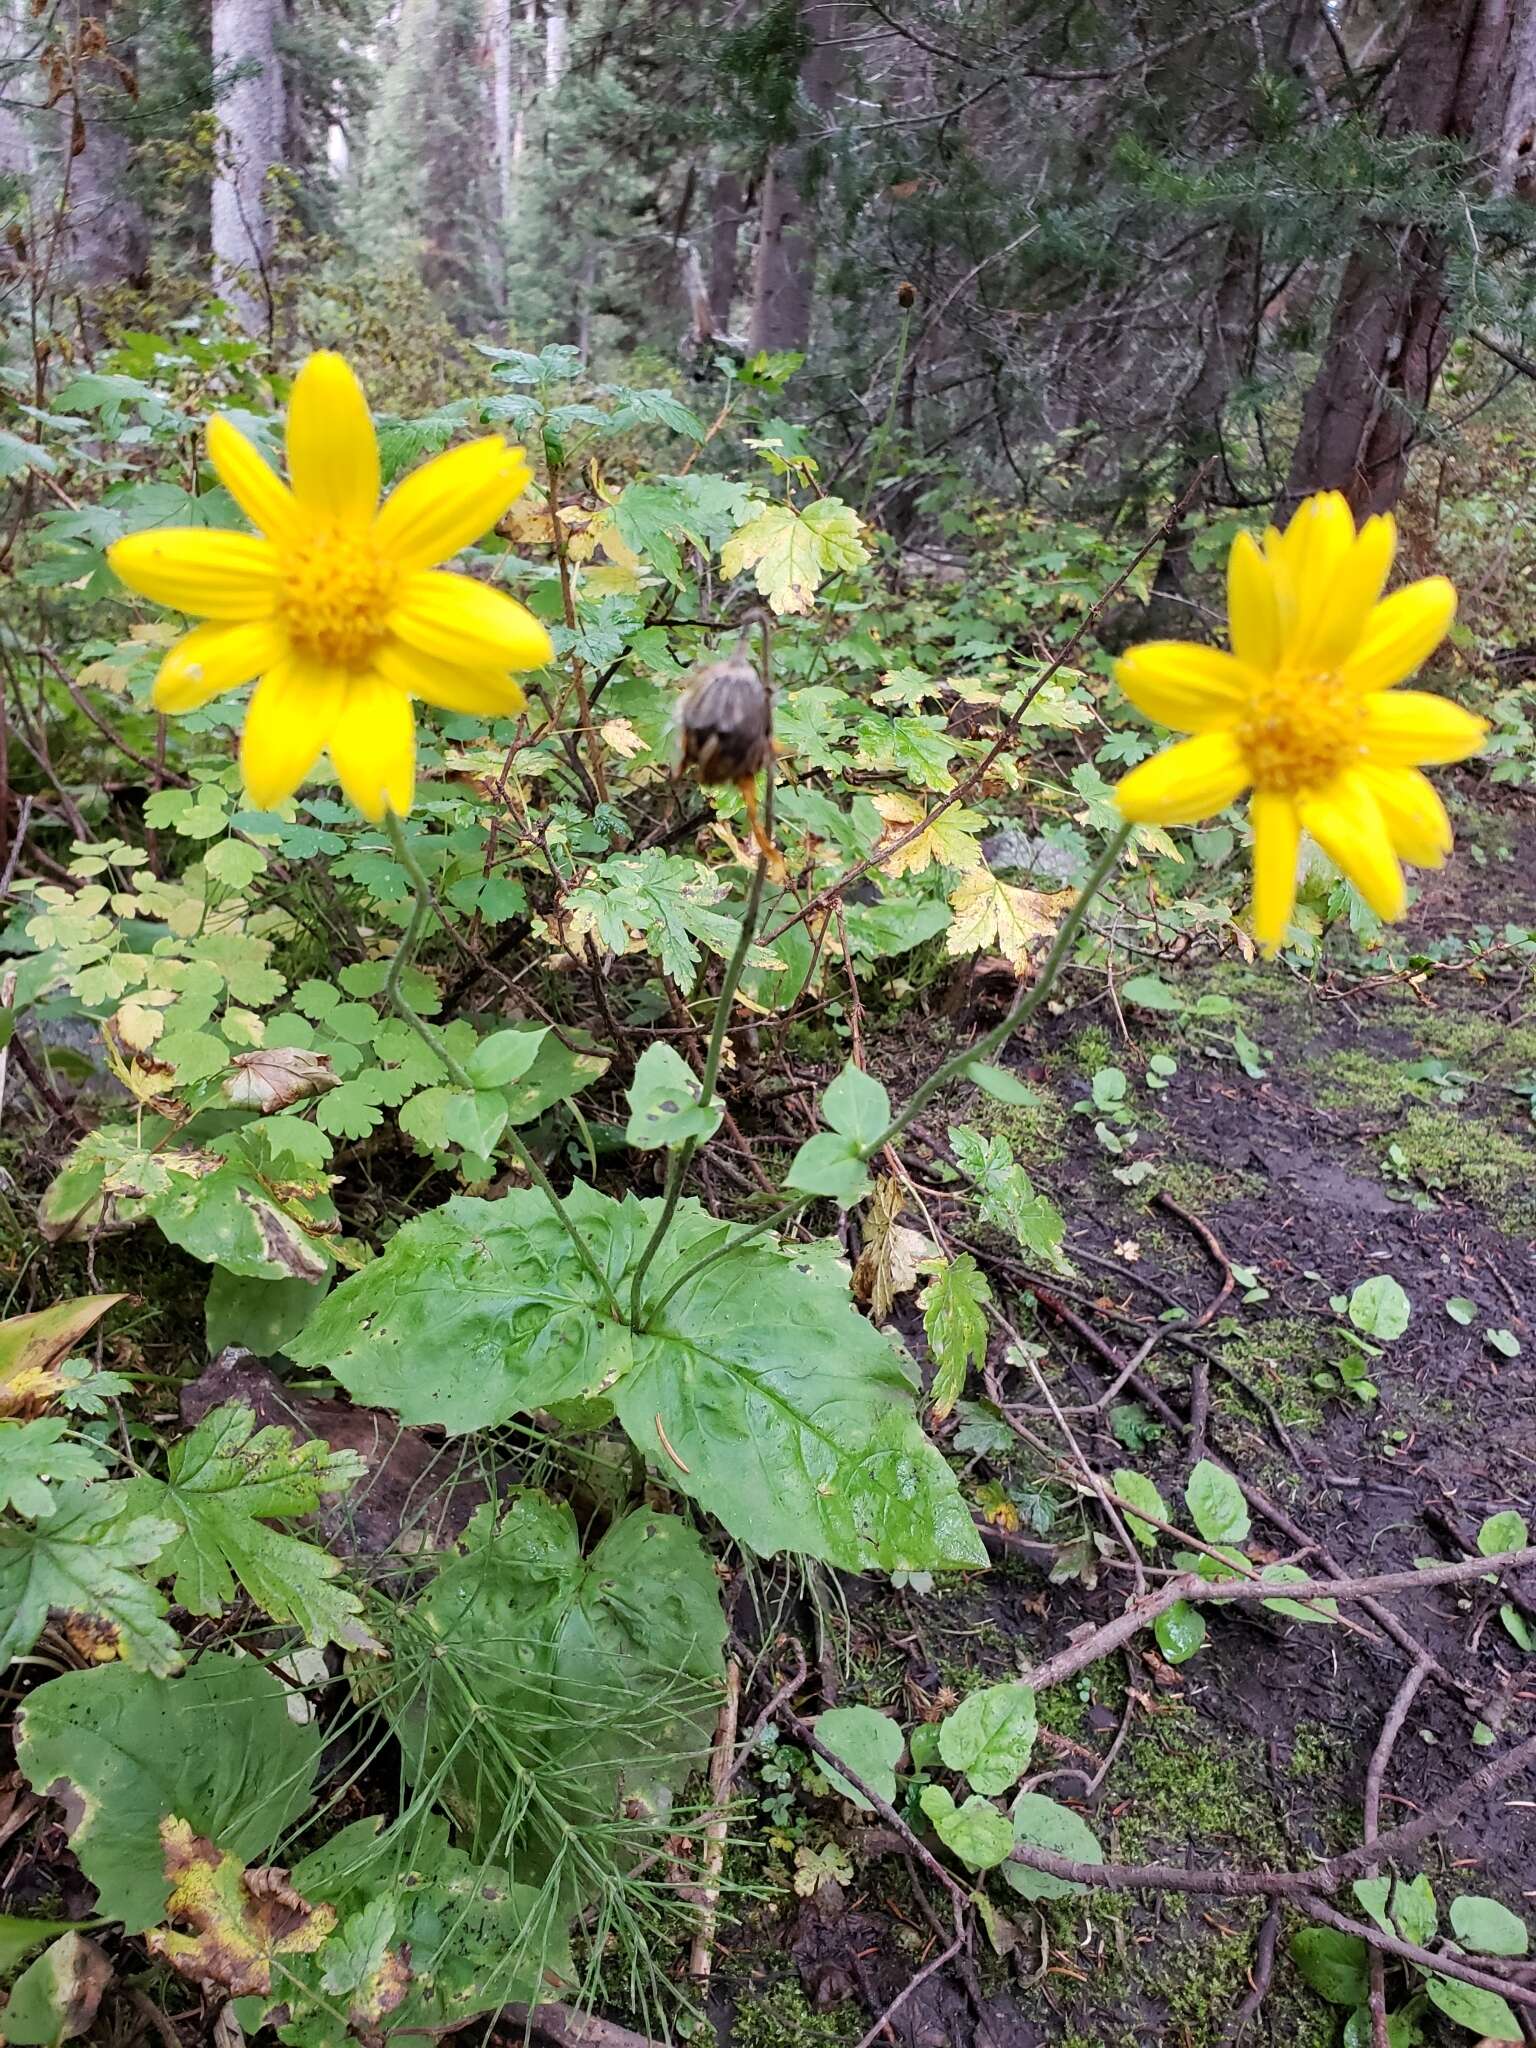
(248, 104)
(557, 37)
(727, 206)
(1467, 74)
(498, 34)
(20, 80)
(783, 280)
(105, 236)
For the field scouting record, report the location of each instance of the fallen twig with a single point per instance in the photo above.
(721, 1772)
(565, 2027)
(1391, 1728)
(1263, 1970)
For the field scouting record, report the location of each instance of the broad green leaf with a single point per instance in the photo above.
(759, 1391)
(790, 553)
(1414, 1910)
(1501, 1533)
(32, 1458)
(976, 1832)
(504, 1057)
(601, 1673)
(19, 1936)
(1337, 1966)
(990, 1736)
(664, 1107)
(259, 1315)
(1043, 1823)
(830, 1165)
(33, 1346)
(1403, 2030)
(225, 1481)
(1373, 1894)
(84, 1560)
(1487, 1926)
(429, 1937)
(1519, 1628)
(558, 1072)
(869, 1743)
(955, 1324)
(1460, 1310)
(1216, 1503)
(1151, 992)
(1002, 1085)
(1007, 1196)
(1379, 1308)
(1179, 1631)
(857, 1106)
(1136, 1488)
(1483, 2012)
(121, 1750)
(1311, 1610)
(56, 1998)
(475, 1121)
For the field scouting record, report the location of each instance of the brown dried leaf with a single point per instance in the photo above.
(226, 1924)
(277, 1076)
(888, 1264)
(32, 1348)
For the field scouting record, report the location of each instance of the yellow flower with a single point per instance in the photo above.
(336, 604)
(1303, 713)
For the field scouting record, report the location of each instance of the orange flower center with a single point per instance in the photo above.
(1298, 732)
(336, 597)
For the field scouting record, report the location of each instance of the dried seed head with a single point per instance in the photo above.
(906, 294)
(727, 720)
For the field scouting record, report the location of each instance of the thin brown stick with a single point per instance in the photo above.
(1391, 1728)
(1213, 1250)
(564, 2027)
(1263, 1970)
(1190, 1586)
(720, 1773)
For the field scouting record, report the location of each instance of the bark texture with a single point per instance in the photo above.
(1467, 74)
(248, 105)
(105, 236)
(783, 279)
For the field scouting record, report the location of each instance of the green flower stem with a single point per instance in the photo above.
(952, 1069)
(682, 1159)
(405, 953)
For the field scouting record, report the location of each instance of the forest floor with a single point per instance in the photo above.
(1386, 1128)
(1388, 1133)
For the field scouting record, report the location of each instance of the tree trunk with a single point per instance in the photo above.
(105, 236)
(783, 280)
(1467, 73)
(726, 211)
(248, 106)
(557, 42)
(498, 35)
(1230, 337)
(20, 81)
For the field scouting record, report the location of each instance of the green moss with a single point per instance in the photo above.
(1200, 1187)
(781, 2016)
(1363, 1080)
(1278, 1357)
(1315, 1751)
(1479, 1161)
(1036, 1130)
(1183, 1783)
(1482, 1045)
(1092, 1048)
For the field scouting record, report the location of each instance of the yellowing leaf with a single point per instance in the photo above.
(791, 553)
(138, 1023)
(241, 1920)
(888, 1264)
(620, 734)
(950, 840)
(33, 1347)
(993, 915)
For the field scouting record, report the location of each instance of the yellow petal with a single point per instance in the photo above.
(450, 501)
(196, 569)
(254, 485)
(1413, 813)
(333, 457)
(1347, 824)
(1185, 783)
(1335, 629)
(1314, 548)
(291, 719)
(1411, 728)
(1253, 609)
(450, 689)
(467, 624)
(211, 659)
(1276, 843)
(1402, 631)
(373, 748)
(1191, 688)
